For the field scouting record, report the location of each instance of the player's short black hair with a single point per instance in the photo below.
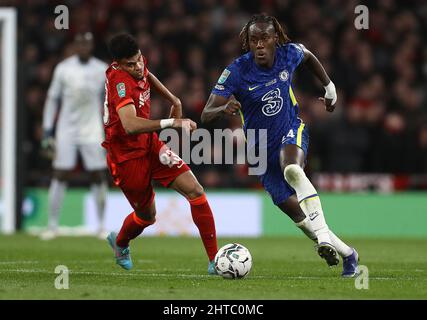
(122, 46)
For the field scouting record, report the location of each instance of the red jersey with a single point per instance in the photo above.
(122, 89)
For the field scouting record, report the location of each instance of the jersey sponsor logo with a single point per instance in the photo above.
(284, 75)
(141, 100)
(121, 89)
(253, 88)
(106, 116)
(223, 76)
(274, 102)
(143, 97)
(219, 87)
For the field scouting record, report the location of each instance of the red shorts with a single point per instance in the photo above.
(134, 176)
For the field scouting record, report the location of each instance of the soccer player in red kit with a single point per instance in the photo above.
(133, 150)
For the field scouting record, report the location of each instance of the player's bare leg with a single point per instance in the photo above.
(293, 210)
(187, 185)
(57, 189)
(133, 225)
(292, 163)
(349, 255)
(99, 189)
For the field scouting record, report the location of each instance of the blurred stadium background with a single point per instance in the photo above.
(368, 158)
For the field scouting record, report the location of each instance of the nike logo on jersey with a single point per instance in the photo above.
(253, 88)
(313, 215)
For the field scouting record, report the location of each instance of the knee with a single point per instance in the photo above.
(61, 175)
(293, 173)
(147, 215)
(97, 176)
(196, 191)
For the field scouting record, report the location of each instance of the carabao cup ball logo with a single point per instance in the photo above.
(284, 75)
(274, 102)
(224, 76)
(121, 89)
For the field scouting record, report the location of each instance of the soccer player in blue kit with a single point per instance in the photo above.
(260, 82)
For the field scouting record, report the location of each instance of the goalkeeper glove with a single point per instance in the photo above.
(48, 144)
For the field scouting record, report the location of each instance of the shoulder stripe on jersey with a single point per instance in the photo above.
(124, 103)
(299, 134)
(291, 94)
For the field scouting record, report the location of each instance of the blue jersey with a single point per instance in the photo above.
(268, 102)
(265, 94)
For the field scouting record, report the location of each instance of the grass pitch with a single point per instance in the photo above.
(176, 268)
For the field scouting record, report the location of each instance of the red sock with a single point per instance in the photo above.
(203, 218)
(131, 228)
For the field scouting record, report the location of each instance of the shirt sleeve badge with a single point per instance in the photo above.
(223, 76)
(121, 89)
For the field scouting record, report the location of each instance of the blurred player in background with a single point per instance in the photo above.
(136, 156)
(260, 81)
(78, 85)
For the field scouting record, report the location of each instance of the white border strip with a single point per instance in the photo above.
(8, 89)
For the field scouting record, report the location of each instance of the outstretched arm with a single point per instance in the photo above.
(176, 108)
(217, 106)
(314, 65)
(135, 125)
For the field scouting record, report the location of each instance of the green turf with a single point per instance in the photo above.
(176, 268)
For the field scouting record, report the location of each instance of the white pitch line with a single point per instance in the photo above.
(102, 273)
(74, 262)
(167, 275)
(18, 262)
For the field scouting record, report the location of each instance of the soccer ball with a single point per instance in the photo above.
(233, 261)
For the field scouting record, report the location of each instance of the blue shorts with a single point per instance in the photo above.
(273, 180)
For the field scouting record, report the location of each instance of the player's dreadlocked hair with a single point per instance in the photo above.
(122, 46)
(244, 34)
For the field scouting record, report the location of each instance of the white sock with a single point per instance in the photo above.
(99, 192)
(309, 201)
(342, 249)
(56, 196)
(305, 226)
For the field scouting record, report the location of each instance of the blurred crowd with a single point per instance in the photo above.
(380, 123)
